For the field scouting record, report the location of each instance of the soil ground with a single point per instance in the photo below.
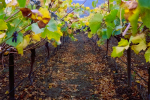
(78, 71)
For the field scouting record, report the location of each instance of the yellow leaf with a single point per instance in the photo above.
(87, 23)
(87, 8)
(60, 9)
(126, 10)
(95, 10)
(3, 25)
(23, 44)
(40, 98)
(137, 81)
(33, 16)
(140, 43)
(59, 31)
(36, 37)
(50, 87)
(44, 12)
(6, 53)
(6, 92)
(148, 44)
(65, 19)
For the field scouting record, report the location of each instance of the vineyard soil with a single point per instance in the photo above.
(78, 71)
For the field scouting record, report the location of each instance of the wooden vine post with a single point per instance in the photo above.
(129, 65)
(149, 83)
(107, 47)
(32, 62)
(46, 45)
(11, 76)
(107, 39)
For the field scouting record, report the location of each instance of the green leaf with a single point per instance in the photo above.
(111, 16)
(19, 40)
(51, 35)
(109, 32)
(52, 25)
(44, 34)
(147, 55)
(134, 21)
(116, 33)
(104, 33)
(145, 17)
(95, 22)
(75, 25)
(36, 29)
(2, 4)
(3, 25)
(110, 28)
(2, 14)
(144, 3)
(123, 42)
(94, 4)
(118, 50)
(64, 28)
(22, 3)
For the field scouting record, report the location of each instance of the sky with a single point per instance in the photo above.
(88, 3)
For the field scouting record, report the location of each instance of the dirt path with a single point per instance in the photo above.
(79, 71)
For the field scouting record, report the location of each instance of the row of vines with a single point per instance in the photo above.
(27, 23)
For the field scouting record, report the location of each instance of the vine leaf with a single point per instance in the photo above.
(134, 20)
(52, 35)
(144, 3)
(41, 16)
(23, 44)
(140, 40)
(95, 22)
(109, 20)
(19, 40)
(22, 3)
(118, 50)
(36, 37)
(36, 29)
(3, 25)
(145, 17)
(2, 4)
(52, 25)
(111, 16)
